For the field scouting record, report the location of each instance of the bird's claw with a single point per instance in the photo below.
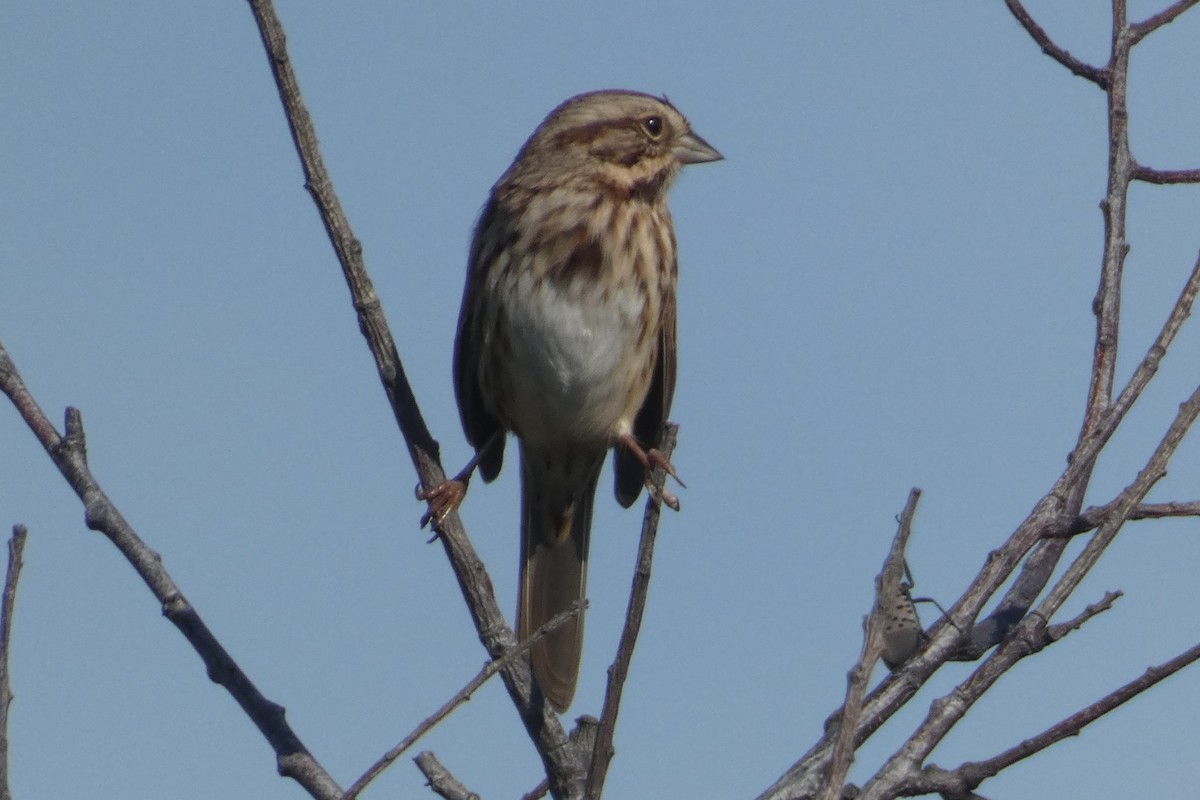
(656, 460)
(442, 498)
(664, 495)
(652, 460)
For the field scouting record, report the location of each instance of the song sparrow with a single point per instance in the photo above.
(566, 337)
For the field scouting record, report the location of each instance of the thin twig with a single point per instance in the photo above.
(1130, 498)
(1094, 516)
(1107, 304)
(886, 582)
(602, 752)
(1040, 565)
(69, 453)
(1058, 510)
(1105, 603)
(537, 792)
(440, 779)
(1103, 415)
(16, 547)
(1141, 30)
(1148, 366)
(1027, 639)
(1163, 177)
(1031, 635)
(972, 774)
(462, 696)
(542, 724)
(1094, 74)
(805, 777)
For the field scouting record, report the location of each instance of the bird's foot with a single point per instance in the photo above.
(653, 460)
(442, 498)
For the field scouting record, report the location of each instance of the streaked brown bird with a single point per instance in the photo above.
(566, 337)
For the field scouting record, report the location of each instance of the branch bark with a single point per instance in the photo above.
(1087, 71)
(602, 750)
(887, 588)
(564, 769)
(16, 548)
(69, 454)
(1038, 543)
(440, 780)
(970, 775)
(460, 697)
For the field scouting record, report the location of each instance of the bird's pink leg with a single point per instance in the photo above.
(652, 459)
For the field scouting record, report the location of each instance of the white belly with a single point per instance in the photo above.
(578, 362)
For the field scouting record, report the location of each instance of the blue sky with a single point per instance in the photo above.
(887, 283)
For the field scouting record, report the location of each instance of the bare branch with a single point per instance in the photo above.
(1095, 516)
(1163, 177)
(1107, 304)
(583, 739)
(440, 779)
(842, 754)
(1149, 364)
(1056, 632)
(1094, 74)
(1057, 512)
(602, 751)
(804, 776)
(1040, 565)
(972, 774)
(16, 548)
(1031, 635)
(69, 454)
(1141, 30)
(462, 696)
(901, 770)
(537, 792)
(1130, 498)
(887, 585)
(947, 711)
(562, 766)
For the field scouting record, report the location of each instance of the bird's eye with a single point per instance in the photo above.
(653, 127)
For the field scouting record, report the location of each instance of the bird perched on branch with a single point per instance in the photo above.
(566, 337)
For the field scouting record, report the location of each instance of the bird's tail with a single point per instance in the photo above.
(556, 524)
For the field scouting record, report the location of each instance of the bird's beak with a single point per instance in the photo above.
(691, 149)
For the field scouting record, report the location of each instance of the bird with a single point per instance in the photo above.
(566, 338)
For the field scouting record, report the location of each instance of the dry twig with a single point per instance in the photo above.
(460, 697)
(602, 751)
(563, 768)
(970, 775)
(887, 584)
(440, 779)
(16, 548)
(69, 453)
(1038, 543)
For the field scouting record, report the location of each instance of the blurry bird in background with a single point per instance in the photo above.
(566, 337)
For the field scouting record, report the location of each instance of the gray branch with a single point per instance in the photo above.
(16, 548)
(69, 454)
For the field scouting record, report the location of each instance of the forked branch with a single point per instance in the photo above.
(564, 769)
(1038, 543)
(971, 775)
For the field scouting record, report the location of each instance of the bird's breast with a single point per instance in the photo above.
(578, 351)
